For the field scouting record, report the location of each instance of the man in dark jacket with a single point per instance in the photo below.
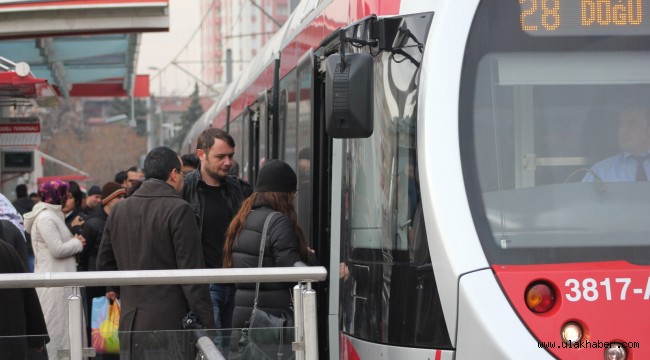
(111, 194)
(23, 203)
(215, 198)
(22, 325)
(155, 229)
(93, 199)
(93, 229)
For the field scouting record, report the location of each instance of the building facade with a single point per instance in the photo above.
(243, 27)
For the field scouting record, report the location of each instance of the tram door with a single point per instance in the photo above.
(296, 137)
(388, 293)
(304, 143)
(303, 147)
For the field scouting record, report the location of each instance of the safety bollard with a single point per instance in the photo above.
(75, 325)
(298, 345)
(311, 328)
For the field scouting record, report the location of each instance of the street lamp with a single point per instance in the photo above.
(155, 125)
(159, 75)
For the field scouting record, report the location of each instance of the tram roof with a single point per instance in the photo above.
(82, 47)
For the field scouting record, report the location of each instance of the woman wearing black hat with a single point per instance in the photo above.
(285, 245)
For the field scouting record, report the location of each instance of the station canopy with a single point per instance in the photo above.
(82, 47)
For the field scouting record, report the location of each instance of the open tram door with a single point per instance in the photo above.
(384, 296)
(315, 187)
(287, 123)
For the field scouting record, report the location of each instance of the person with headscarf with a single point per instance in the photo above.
(12, 230)
(54, 249)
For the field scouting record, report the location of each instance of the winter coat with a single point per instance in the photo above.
(93, 229)
(20, 312)
(54, 250)
(281, 250)
(236, 191)
(23, 205)
(155, 229)
(14, 237)
(77, 229)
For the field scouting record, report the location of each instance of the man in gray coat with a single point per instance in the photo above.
(155, 229)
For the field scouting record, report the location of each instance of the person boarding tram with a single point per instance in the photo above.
(215, 198)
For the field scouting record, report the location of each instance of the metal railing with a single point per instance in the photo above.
(306, 337)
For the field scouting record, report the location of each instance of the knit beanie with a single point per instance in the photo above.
(276, 176)
(111, 190)
(94, 190)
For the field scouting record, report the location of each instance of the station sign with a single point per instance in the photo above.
(21, 132)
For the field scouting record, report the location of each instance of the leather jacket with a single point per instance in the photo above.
(236, 191)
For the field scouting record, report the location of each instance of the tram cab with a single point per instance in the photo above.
(470, 181)
(519, 126)
(544, 94)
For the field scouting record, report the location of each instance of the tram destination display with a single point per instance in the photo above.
(584, 17)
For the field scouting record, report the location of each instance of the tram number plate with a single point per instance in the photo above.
(590, 289)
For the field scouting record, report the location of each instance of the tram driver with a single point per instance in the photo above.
(633, 162)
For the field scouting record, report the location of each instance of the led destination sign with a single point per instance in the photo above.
(584, 17)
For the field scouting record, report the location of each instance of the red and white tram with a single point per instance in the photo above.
(444, 151)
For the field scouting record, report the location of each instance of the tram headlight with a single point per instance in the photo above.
(540, 297)
(615, 351)
(572, 332)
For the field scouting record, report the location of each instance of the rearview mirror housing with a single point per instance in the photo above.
(349, 96)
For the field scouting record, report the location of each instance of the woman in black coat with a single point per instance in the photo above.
(275, 191)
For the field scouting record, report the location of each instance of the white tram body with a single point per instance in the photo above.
(453, 180)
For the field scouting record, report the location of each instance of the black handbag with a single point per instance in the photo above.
(266, 335)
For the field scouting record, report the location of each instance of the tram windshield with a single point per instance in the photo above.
(561, 140)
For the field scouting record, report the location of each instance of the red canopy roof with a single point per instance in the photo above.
(16, 86)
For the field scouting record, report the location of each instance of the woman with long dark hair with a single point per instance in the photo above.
(285, 245)
(74, 217)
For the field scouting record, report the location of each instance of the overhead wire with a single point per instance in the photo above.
(200, 25)
(187, 44)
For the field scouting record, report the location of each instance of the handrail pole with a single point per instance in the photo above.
(311, 328)
(75, 325)
(75, 280)
(162, 277)
(298, 345)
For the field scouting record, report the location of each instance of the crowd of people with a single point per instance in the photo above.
(176, 212)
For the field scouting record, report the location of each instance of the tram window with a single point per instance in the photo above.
(243, 146)
(263, 129)
(289, 118)
(237, 135)
(541, 121)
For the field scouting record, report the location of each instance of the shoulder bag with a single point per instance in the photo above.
(266, 334)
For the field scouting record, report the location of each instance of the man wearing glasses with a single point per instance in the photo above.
(155, 229)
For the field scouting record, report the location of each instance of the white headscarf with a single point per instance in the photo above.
(8, 212)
